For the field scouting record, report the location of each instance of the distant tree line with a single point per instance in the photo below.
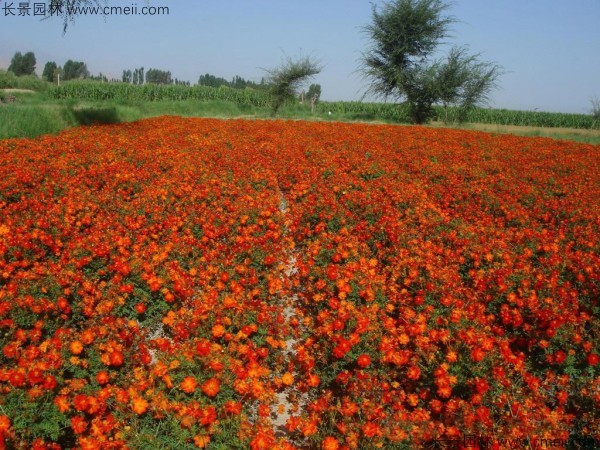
(25, 64)
(133, 77)
(72, 70)
(153, 76)
(236, 82)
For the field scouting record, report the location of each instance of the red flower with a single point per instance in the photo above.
(477, 354)
(116, 358)
(481, 386)
(203, 347)
(81, 402)
(371, 429)
(343, 347)
(413, 373)
(232, 407)
(78, 424)
(16, 378)
(363, 361)
(560, 357)
(102, 377)
(207, 416)
(263, 440)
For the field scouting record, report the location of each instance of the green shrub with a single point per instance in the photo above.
(9, 80)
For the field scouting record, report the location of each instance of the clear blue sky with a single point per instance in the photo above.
(550, 49)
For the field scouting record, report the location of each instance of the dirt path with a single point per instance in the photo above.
(17, 91)
(289, 401)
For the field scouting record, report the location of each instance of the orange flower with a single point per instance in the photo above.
(88, 337)
(287, 379)
(218, 331)
(330, 443)
(4, 425)
(76, 347)
(313, 380)
(263, 440)
(62, 403)
(451, 356)
(102, 377)
(413, 373)
(211, 387)
(139, 405)
(371, 429)
(187, 421)
(188, 385)
(201, 441)
(232, 407)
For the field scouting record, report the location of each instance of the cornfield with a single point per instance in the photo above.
(360, 110)
(90, 90)
(526, 118)
(399, 113)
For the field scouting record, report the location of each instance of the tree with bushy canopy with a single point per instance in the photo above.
(73, 70)
(22, 64)
(399, 64)
(157, 76)
(49, 71)
(285, 81)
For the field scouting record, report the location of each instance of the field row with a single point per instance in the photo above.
(443, 284)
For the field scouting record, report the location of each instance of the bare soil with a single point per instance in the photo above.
(17, 91)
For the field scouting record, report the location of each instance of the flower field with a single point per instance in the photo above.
(166, 283)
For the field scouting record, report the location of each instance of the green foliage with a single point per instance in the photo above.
(523, 118)
(85, 101)
(36, 419)
(212, 81)
(73, 70)
(138, 76)
(314, 92)
(157, 76)
(50, 70)
(421, 91)
(22, 64)
(404, 36)
(465, 82)
(596, 108)
(8, 80)
(101, 77)
(286, 79)
(88, 90)
(237, 82)
(127, 76)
